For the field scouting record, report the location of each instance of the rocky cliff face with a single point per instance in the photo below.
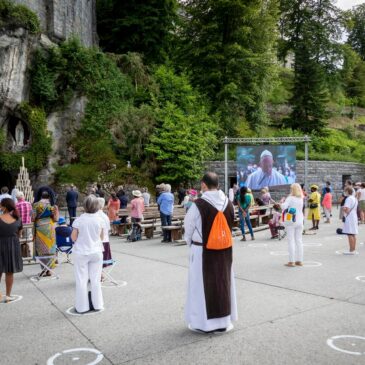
(60, 19)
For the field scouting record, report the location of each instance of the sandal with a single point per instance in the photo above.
(9, 299)
(298, 263)
(290, 264)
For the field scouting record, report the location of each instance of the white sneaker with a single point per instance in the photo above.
(350, 253)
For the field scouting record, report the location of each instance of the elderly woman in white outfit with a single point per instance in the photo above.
(88, 256)
(350, 226)
(294, 225)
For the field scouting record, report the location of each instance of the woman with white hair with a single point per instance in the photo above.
(88, 235)
(293, 221)
(166, 203)
(107, 254)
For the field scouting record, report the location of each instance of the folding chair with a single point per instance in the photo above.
(46, 262)
(64, 246)
(106, 272)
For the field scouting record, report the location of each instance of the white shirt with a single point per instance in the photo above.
(351, 225)
(193, 220)
(88, 239)
(361, 194)
(106, 225)
(258, 179)
(297, 203)
(146, 199)
(3, 196)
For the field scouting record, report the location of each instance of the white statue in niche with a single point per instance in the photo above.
(19, 135)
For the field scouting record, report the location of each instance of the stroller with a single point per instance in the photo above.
(135, 233)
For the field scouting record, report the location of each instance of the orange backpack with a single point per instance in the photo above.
(220, 236)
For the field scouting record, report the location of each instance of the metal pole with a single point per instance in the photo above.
(225, 166)
(306, 164)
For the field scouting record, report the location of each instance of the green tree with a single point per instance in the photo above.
(136, 26)
(227, 47)
(184, 136)
(357, 30)
(311, 30)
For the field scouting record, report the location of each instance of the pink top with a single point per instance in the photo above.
(25, 211)
(113, 208)
(327, 201)
(137, 208)
(276, 218)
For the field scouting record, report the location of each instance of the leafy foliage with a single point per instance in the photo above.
(184, 137)
(228, 49)
(357, 30)
(311, 30)
(18, 16)
(136, 26)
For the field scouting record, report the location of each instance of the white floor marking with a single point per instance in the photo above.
(71, 311)
(98, 358)
(330, 343)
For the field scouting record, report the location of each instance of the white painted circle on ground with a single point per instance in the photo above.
(72, 312)
(330, 343)
(341, 252)
(257, 245)
(312, 244)
(361, 278)
(17, 298)
(36, 279)
(361, 243)
(228, 329)
(335, 238)
(98, 356)
(109, 284)
(279, 253)
(311, 264)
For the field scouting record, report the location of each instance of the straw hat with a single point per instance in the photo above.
(136, 193)
(314, 186)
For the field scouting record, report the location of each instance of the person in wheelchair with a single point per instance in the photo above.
(63, 237)
(274, 223)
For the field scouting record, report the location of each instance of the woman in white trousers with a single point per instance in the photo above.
(294, 225)
(88, 256)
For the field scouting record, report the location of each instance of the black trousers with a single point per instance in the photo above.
(72, 214)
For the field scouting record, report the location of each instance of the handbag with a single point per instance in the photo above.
(289, 215)
(313, 205)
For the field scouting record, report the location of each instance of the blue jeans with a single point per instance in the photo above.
(242, 222)
(166, 221)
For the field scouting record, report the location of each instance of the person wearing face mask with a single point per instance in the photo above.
(10, 255)
(350, 226)
(265, 175)
(314, 212)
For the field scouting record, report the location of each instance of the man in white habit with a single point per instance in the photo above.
(265, 174)
(211, 299)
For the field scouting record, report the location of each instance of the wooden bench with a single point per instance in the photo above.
(176, 232)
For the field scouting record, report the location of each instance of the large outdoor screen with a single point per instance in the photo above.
(266, 166)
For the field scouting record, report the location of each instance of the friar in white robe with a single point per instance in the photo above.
(211, 299)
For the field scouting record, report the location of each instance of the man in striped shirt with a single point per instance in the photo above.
(24, 208)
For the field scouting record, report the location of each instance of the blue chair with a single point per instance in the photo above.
(64, 242)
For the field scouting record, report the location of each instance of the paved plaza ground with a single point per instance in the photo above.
(286, 315)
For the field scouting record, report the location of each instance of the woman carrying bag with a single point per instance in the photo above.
(293, 220)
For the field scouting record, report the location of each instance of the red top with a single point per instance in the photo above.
(327, 201)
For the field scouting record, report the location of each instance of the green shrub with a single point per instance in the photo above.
(18, 16)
